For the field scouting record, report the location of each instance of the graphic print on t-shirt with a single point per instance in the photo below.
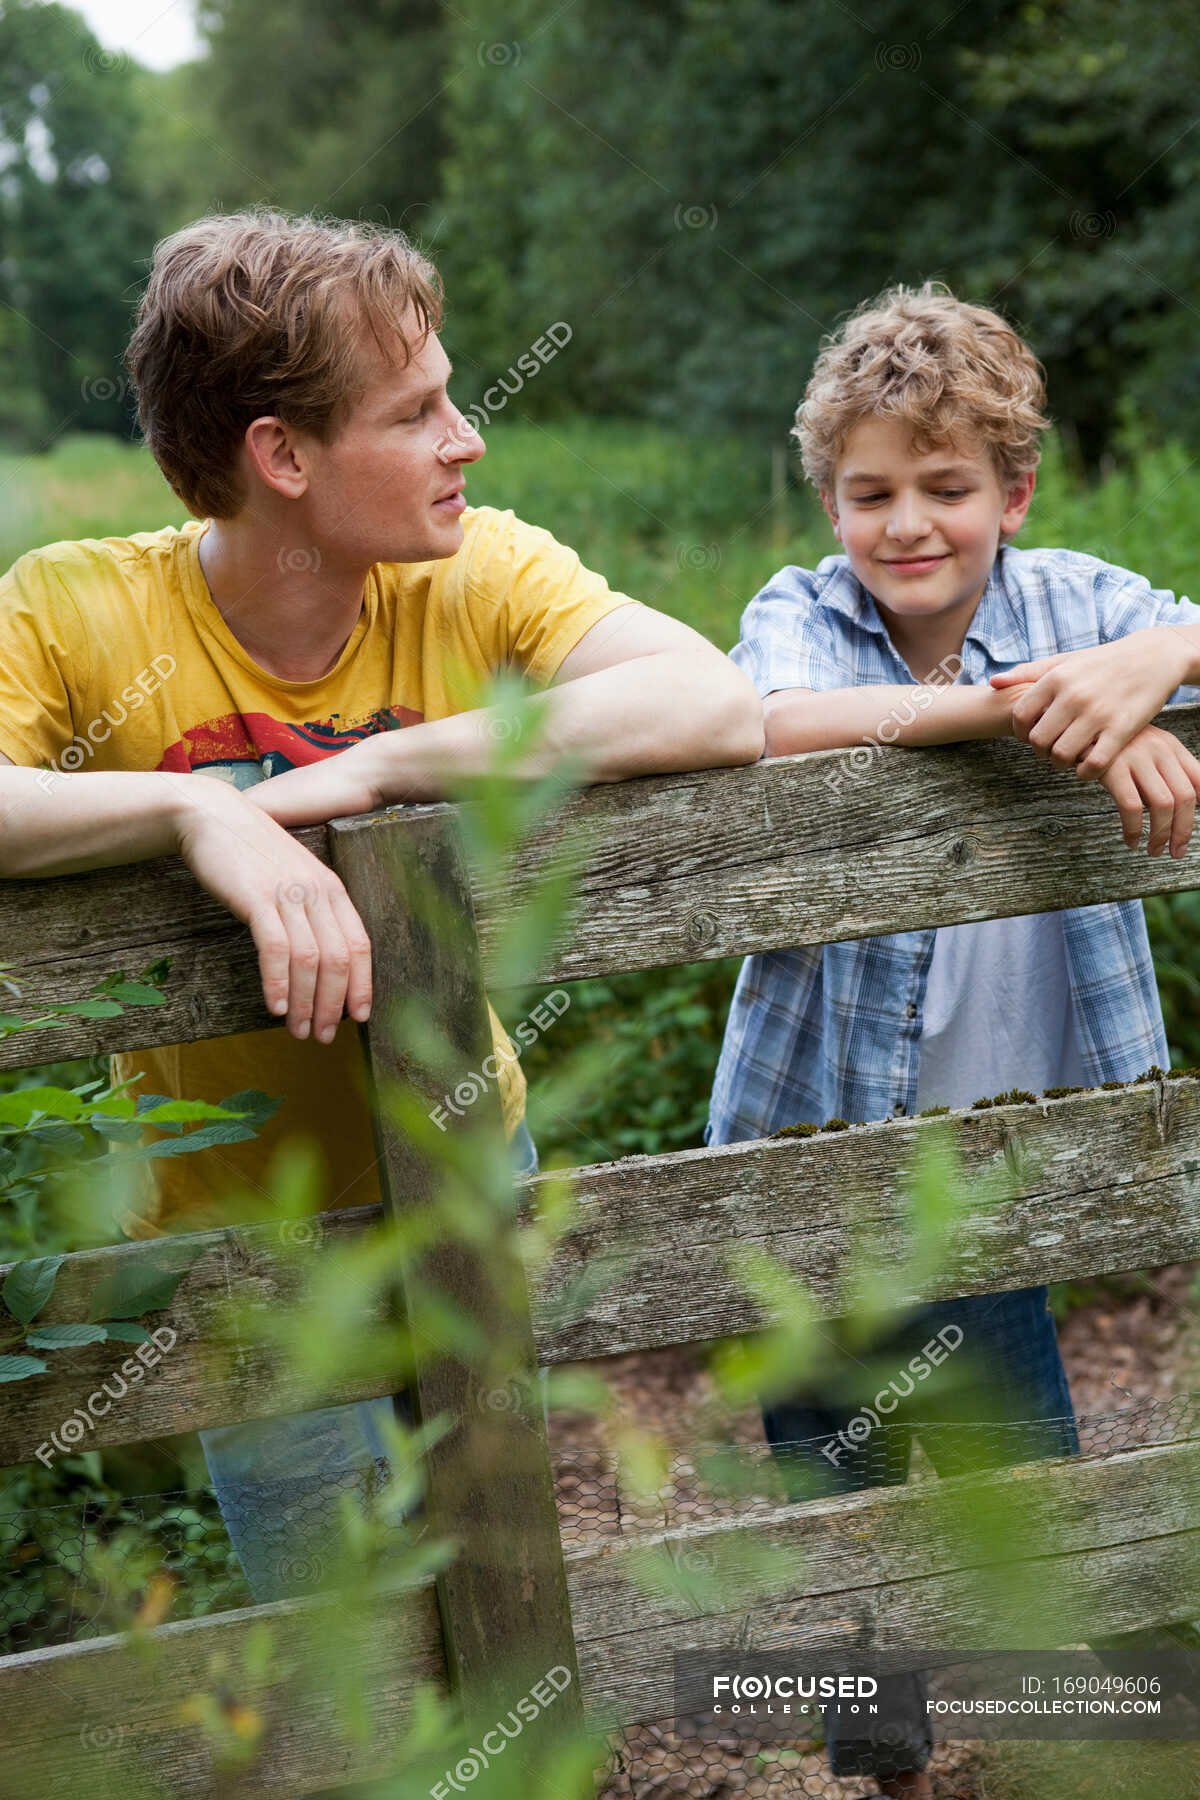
(246, 748)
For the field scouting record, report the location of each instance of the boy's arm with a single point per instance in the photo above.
(803, 719)
(1084, 706)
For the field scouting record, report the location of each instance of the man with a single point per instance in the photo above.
(305, 648)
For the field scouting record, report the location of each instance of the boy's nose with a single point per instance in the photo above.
(908, 522)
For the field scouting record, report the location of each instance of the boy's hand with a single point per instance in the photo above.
(1155, 774)
(1084, 706)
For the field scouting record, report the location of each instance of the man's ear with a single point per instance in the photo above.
(830, 505)
(1016, 504)
(273, 456)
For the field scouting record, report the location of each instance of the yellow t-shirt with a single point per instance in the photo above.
(114, 656)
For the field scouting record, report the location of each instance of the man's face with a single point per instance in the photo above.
(388, 487)
(921, 532)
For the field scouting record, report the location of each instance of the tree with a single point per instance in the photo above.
(74, 221)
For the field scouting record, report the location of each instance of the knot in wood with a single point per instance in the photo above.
(962, 851)
(702, 928)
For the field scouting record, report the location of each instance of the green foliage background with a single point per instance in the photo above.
(741, 173)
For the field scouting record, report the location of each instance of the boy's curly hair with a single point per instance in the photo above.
(951, 371)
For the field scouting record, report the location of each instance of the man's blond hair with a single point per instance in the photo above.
(255, 313)
(954, 373)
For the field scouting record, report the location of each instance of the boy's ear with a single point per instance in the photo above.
(830, 505)
(1016, 504)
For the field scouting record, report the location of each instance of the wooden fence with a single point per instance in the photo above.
(677, 869)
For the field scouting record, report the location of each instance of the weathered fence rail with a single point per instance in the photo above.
(673, 869)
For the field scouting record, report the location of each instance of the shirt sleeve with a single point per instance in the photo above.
(44, 662)
(1127, 603)
(786, 641)
(531, 598)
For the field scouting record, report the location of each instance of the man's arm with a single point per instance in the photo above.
(803, 719)
(314, 955)
(640, 694)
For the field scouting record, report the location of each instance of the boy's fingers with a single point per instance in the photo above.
(1074, 742)
(1124, 790)
(1056, 722)
(1180, 783)
(1161, 805)
(1096, 759)
(1028, 671)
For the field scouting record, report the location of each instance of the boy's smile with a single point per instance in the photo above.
(922, 531)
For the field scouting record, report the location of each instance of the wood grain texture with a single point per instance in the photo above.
(1042, 1555)
(672, 869)
(489, 1483)
(1100, 1182)
(105, 1718)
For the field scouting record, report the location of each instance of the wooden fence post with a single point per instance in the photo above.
(505, 1611)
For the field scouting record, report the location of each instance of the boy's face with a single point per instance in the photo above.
(388, 486)
(921, 532)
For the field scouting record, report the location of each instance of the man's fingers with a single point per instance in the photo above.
(274, 956)
(304, 954)
(359, 985)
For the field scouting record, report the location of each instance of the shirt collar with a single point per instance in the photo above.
(998, 626)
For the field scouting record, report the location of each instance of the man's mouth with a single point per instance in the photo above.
(452, 500)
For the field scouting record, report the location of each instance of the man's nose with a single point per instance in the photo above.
(463, 442)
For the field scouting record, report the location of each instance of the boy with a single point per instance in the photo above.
(308, 625)
(919, 428)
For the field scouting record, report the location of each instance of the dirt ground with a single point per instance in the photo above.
(1133, 1360)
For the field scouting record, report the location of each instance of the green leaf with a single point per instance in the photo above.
(16, 1368)
(92, 1009)
(58, 1136)
(117, 1131)
(28, 1287)
(19, 1107)
(64, 1337)
(176, 1112)
(136, 1289)
(136, 993)
(124, 1333)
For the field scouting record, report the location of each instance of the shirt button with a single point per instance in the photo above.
(910, 1011)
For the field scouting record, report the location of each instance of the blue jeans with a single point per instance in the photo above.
(828, 1442)
(278, 1482)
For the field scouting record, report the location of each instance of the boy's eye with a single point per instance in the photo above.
(952, 493)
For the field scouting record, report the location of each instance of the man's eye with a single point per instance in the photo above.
(952, 493)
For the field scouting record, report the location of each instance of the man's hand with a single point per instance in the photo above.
(1155, 774)
(313, 950)
(1084, 706)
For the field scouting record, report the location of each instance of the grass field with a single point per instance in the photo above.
(687, 526)
(690, 526)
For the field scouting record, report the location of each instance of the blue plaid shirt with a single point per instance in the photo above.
(835, 1030)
